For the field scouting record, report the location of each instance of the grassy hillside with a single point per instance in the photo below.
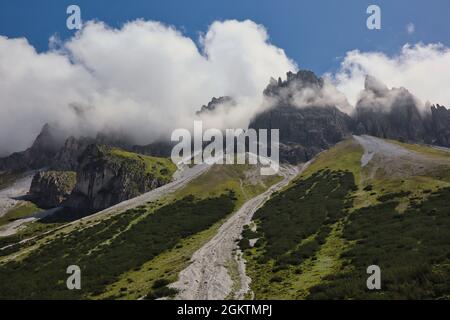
(312, 240)
(108, 249)
(243, 180)
(134, 253)
(317, 237)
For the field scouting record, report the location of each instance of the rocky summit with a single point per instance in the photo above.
(39, 155)
(396, 114)
(304, 131)
(381, 112)
(217, 103)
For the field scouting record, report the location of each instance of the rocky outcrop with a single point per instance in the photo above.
(388, 113)
(39, 155)
(50, 188)
(216, 103)
(304, 131)
(107, 176)
(315, 125)
(397, 114)
(67, 157)
(438, 125)
(284, 91)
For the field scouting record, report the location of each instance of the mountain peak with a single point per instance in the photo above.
(295, 81)
(215, 103)
(376, 86)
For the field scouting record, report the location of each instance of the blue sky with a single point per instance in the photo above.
(316, 34)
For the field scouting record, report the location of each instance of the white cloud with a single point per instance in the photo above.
(146, 79)
(143, 79)
(422, 69)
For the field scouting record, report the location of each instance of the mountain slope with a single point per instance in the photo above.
(125, 249)
(366, 201)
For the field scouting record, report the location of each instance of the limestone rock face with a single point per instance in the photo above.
(216, 103)
(107, 176)
(39, 155)
(388, 113)
(67, 157)
(304, 131)
(50, 188)
(397, 114)
(438, 125)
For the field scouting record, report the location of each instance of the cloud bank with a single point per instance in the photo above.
(142, 80)
(422, 69)
(145, 79)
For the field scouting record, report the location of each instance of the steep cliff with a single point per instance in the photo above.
(217, 103)
(307, 130)
(50, 188)
(39, 155)
(389, 113)
(438, 124)
(107, 176)
(397, 114)
(67, 157)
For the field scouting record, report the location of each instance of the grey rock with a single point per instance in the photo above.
(396, 114)
(216, 103)
(50, 188)
(304, 131)
(39, 155)
(104, 180)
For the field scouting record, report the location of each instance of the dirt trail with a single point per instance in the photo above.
(207, 276)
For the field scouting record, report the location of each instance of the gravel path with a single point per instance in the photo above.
(207, 276)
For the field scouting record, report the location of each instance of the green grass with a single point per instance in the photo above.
(422, 149)
(220, 178)
(345, 156)
(98, 234)
(400, 223)
(298, 235)
(20, 211)
(315, 237)
(411, 248)
(42, 273)
(167, 265)
(160, 168)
